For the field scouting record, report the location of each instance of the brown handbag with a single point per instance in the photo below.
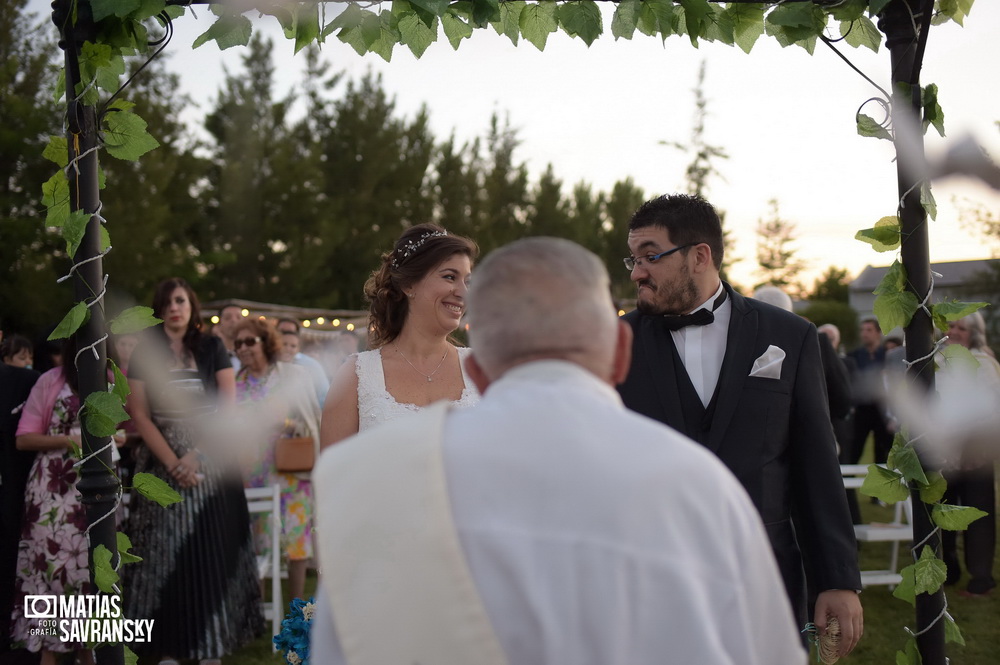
(295, 454)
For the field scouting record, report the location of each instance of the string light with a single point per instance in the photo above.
(306, 323)
(350, 326)
(621, 312)
(261, 318)
(245, 312)
(214, 319)
(320, 320)
(335, 322)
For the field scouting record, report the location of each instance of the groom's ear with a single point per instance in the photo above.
(476, 373)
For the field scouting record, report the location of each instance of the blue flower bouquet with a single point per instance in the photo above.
(293, 640)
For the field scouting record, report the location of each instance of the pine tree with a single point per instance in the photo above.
(776, 252)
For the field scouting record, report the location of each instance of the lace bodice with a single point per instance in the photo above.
(376, 405)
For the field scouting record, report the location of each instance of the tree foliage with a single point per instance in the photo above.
(776, 259)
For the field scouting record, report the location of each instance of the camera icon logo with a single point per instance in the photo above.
(40, 607)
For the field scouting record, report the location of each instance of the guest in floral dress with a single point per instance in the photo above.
(280, 403)
(52, 553)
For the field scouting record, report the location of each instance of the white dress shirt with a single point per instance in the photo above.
(596, 536)
(703, 348)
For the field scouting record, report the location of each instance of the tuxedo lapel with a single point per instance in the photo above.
(659, 349)
(735, 366)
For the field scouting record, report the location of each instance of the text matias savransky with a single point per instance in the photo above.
(85, 619)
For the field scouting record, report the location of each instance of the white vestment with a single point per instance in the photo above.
(593, 535)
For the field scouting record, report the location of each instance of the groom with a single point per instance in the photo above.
(745, 380)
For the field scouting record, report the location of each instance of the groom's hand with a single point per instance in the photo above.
(846, 606)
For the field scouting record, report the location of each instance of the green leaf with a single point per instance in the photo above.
(894, 310)
(57, 150)
(509, 22)
(910, 655)
(927, 200)
(894, 279)
(943, 312)
(848, 10)
(103, 8)
(934, 490)
(884, 237)
(582, 19)
(119, 386)
(55, 198)
(748, 24)
(349, 19)
(103, 413)
(228, 30)
(876, 6)
(130, 657)
(929, 572)
(455, 29)
(904, 459)
(74, 318)
(884, 485)
(719, 27)
(387, 35)
(538, 21)
(124, 545)
(623, 23)
(75, 450)
(697, 18)
(306, 25)
(955, 518)
(795, 22)
(906, 589)
(415, 34)
(485, 12)
(133, 320)
(952, 632)
(868, 127)
(126, 136)
(155, 489)
(958, 357)
(435, 7)
(105, 576)
(861, 32)
(105, 237)
(933, 114)
(656, 17)
(74, 229)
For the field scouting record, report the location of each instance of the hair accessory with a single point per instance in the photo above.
(410, 247)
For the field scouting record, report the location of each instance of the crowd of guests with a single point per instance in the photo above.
(214, 412)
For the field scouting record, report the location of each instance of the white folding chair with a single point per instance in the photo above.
(267, 500)
(896, 531)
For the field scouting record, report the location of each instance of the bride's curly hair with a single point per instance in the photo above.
(419, 250)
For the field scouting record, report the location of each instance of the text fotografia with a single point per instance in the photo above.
(85, 619)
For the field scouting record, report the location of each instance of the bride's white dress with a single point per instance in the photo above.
(376, 405)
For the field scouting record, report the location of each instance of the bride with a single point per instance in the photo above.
(417, 299)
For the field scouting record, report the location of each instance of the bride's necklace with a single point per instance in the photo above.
(429, 377)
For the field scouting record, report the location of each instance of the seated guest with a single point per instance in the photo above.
(547, 524)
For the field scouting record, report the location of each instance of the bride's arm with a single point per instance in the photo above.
(340, 412)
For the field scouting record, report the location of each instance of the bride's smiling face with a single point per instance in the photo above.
(439, 297)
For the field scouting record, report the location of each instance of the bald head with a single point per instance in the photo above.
(541, 298)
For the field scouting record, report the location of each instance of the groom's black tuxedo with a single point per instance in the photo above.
(773, 434)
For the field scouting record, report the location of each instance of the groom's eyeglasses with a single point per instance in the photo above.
(632, 261)
(250, 342)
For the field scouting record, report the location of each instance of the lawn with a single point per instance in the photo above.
(885, 616)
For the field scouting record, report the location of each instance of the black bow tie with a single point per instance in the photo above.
(701, 317)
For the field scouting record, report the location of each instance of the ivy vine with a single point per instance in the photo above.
(131, 28)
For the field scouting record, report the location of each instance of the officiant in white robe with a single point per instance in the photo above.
(548, 524)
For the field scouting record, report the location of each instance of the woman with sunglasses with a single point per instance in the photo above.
(197, 578)
(280, 403)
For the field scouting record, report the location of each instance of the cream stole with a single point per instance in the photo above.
(392, 564)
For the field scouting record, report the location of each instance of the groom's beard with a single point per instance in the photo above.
(658, 299)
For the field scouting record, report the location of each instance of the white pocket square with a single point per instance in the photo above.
(768, 366)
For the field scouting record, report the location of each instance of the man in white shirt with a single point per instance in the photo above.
(321, 384)
(581, 532)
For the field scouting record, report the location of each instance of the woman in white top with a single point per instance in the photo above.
(417, 299)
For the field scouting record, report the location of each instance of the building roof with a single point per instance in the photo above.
(953, 273)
